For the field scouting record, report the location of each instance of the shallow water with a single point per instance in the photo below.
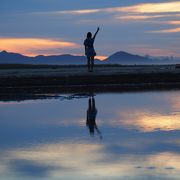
(133, 136)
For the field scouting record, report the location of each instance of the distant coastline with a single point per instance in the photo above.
(120, 57)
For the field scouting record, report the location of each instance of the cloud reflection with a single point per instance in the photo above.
(123, 152)
(87, 160)
(147, 122)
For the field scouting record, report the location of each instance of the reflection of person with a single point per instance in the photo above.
(91, 117)
(89, 49)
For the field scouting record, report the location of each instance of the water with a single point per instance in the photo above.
(136, 137)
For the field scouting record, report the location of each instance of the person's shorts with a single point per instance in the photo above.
(90, 52)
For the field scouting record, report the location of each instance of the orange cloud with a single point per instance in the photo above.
(173, 30)
(153, 7)
(82, 11)
(138, 12)
(139, 8)
(31, 46)
(135, 17)
(147, 11)
(174, 22)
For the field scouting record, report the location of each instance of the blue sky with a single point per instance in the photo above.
(46, 27)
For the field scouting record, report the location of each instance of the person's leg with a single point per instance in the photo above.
(89, 63)
(92, 63)
(89, 104)
(93, 103)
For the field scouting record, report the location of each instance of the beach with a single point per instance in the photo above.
(37, 80)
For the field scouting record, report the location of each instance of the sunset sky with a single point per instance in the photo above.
(34, 27)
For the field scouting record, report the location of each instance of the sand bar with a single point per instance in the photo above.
(21, 80)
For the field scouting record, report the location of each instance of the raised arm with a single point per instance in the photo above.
(96, 33)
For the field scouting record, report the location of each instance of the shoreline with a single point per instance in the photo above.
(34, 81)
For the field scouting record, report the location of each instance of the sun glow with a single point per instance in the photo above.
(31, 46)
(101, 57)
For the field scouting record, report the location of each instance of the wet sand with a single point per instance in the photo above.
(23, 80)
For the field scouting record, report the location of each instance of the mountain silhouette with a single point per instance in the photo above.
(13, 58)
(120, 57)
(65, 59)
(125, 58)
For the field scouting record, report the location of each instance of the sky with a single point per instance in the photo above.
(145, 27)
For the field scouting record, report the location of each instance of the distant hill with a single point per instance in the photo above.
(121, 57)
(65, 59)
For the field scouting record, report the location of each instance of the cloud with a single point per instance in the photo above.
(160, 18)
(32, 46)
(173, 30)
(138, 17)
(142, 12)
(174, 22)
(83, 11)
(147, 20)
(153, 7)
(139, 8)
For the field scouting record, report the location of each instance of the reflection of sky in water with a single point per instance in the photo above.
(49, 139)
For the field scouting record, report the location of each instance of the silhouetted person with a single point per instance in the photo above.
(91, 117)
(89, 49)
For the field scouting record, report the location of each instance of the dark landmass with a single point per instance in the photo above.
(65, 59)
(120, 57)
(125, 58)
(19, 82)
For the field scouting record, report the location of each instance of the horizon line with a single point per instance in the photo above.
(100, 57)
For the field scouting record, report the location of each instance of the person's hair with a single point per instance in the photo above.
(89, 35)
